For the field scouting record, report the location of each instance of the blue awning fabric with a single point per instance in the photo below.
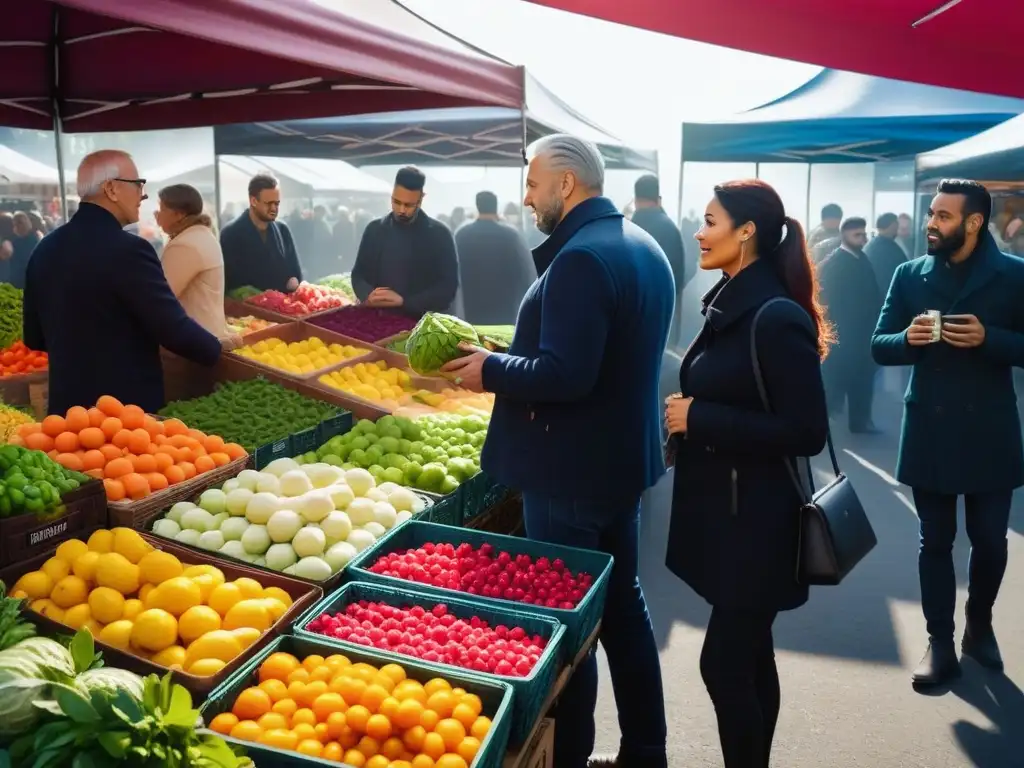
(994, 155)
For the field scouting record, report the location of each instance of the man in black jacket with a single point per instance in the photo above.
(884, 253)
(258, 249)
(651, 217)
(406, 260)
(97, 302)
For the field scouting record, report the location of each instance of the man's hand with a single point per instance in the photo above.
(228, 343)
(468, 371)
(384, 297)
(292, 284)
(920, 332)
(677, 412)
(963, 331)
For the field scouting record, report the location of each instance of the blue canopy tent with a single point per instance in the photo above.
(995, 156)
(843, 117)
(467, 136)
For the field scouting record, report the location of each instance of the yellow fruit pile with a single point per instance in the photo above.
(305, 356)
(357, 714)
(377, 382)
(448, 400)
(146, 602)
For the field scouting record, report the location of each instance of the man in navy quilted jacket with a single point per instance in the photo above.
(577, 424)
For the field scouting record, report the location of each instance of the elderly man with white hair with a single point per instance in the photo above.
(97, 301)
(577, 424)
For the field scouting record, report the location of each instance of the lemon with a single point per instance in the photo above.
(219, 644)
(145, 591)
(206, 582)
(276, 593)
(196, 622)
(131, 545)
(132, 608)
(197, 570)
(223, 596)
(157, 567)
(249, 613)
(276, 607)
(56, 568)
(71, 550)
(206, 667)
(175, 596)
(18, 594)
(69, 592)
(154, 630)
(118, 634)
(77, 616)
(101, 541)
(94, 627)
(250, 588)
(35, 584)
(84, 566)
(114, 570)
(106, 604)
(246, 635)
(48, 608)
(172, 656)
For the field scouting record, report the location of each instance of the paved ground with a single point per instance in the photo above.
(845, 658)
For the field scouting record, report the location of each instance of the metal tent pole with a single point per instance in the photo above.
(807, 220)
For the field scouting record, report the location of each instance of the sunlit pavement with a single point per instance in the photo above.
(845, 658)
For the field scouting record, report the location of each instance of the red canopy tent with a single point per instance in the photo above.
(119, 65)
(966, 44)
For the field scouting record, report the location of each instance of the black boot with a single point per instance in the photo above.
(939, 665)
(980, 644)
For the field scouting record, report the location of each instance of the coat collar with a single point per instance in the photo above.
(90, 213)
(584, 213)
(987, 262)
(732, 297)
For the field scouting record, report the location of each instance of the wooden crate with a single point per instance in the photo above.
(24, 537)
(293, 332)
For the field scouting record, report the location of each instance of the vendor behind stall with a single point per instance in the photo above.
(97, 301)
(258, 249)
(406, 260)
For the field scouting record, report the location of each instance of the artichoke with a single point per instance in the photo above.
(435, 341)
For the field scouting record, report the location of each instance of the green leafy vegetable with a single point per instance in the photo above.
(13, 629)
(435, 340)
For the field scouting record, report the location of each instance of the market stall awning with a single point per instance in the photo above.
(109, 65)
(15, 168)
(923, 41)
(478, 136)
(995, 155)
(842, 117)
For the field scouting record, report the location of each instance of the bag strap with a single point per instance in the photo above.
(763, 392)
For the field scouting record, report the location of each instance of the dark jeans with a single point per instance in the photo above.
(987, 518)
(853, 385)
(737, 663)
(626, 634)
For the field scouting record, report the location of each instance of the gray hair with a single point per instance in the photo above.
(569, 153)
(97, 168)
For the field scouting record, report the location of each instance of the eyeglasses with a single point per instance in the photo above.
(140, 183)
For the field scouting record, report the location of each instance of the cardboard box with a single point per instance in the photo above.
(541, 752)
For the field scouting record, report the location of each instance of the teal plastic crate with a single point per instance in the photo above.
(279, 449)
(333, 426)
(530, 691)
(480, 493)
(447, 510)
(496, 697)
(579, 622)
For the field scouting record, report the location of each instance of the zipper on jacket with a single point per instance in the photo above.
(734, 507)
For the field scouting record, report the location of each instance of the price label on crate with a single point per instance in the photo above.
(276, 450)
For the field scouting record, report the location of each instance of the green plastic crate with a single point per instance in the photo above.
(279, 449)
(333, 426)
(480, 493)
(496, 697)
(530, 691)
(447, 510)
(579, 622)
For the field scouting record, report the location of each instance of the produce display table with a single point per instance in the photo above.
(521, 758)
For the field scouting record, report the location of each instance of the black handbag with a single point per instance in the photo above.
(835, 533)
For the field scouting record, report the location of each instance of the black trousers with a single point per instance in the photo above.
(987, 517)
(737, 664)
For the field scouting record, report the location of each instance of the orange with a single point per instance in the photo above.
(379, 727)
(154, 427)
(410, 689)
(157, 481)
(389, 707)
(468, 748)
(251, 704)
(93, 460)
(136, 486)
(357, 717)
(422, 761)
(311, 692)
(280, 738)
(429, 719)
(320, 729)
(437, 684)
(220, 458)
(118, 468)
(433, 745)
(304, 731)
(110, 405)
(111, 426)
(273, 721)
(95, 474)
(212, 443)
(37, 441)
(378, 761)
(234, 450)
(275, 689)
(196, 435)
(472, 701)
(121, 438)
(413, 738)
(246, 730)
(69, 461)
(304, 715)
(409, 713)
(163, 461)
(394, 671)
(223, 723)
(465, 714)
(65, 442)
(480, 727)
(133, 417)
(332, 751)
(114, 489)
(298, 675)
(355, 758)
(295, 689)
(393, 748)
(336, 724)
(143, 464)
(442, 702)
(138, 441)
(188, 468)
(452, 731)
(327, 703)
(349, 738)
(352, 689)
(373, 696)
(77, 418)
(174, 474)
(54, 425)
(204, 464)
(322, 673)
(368, 746)
(286, 707)
(109, 451)
(96, 417)
(451, 761)
(311, 662)
(174, 427)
